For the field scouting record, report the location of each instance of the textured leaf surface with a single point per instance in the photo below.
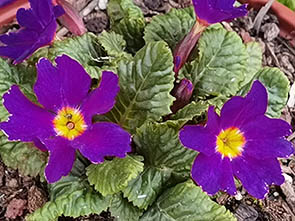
(22, 156)
(254, 61)
(71, 196)
(85, 49)
(164, 157)
(160, 147)
(112, 176)
(127, 19)
(113, 43)
(171, 27)
(278, 86)
(144, 190)
(145, 85)
(221, 65)
(186, 201)
(187, 113)
(121, 209)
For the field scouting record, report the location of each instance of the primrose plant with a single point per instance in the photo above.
(124, 122)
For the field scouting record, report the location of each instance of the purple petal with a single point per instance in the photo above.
(27, 19)
(75, 80)
(58, 11)
(27, 121)
(198, 138)
(38, 29)
(64, 85)
(39, 145)
(213, 174)
(255, 175)
(43, 11)
(61, 159)
(264, 127)
(48, 85)
(103, 139)
(238, 110)
(102, 99)
(213, 122)
(214, 11)
(269, 148)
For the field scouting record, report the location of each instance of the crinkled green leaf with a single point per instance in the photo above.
(254, 61)
(71, 196)
(145, 85)
(85, 49)
(289, 3)
(22, 156)
(113, 176)
(220, 67)
(144, 190)
(160, 146)
(171, 27)
(113, 43)
(186, 201)
(121, 209)
(164, 157)
(20, 75)
(80, 202)
(278, 86)
(187, 113)
(127, 19)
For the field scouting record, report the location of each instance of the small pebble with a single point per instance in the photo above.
(276, 194)
(288, 178)
(102, 4)
(238, 196)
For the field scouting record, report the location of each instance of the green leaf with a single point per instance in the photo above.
(161, 148)
(220, 67)
(186, 201)
(171, 27)
(85, 49)
(113, 43)
(22, 156)
(113, 176)
(144, 190)
(289, 3)
(164, 157)
(71, 196)
(145, 85)
(121, 209)
(278, 86)
(127, 19)
(20, 75)
(254, 61)
(187, 113)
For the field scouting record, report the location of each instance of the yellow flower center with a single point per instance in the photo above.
(230, 142)
(69, 123)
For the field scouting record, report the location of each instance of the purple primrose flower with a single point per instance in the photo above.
(63, 124)
(241, 142)
(38, 26)
(214, 11)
